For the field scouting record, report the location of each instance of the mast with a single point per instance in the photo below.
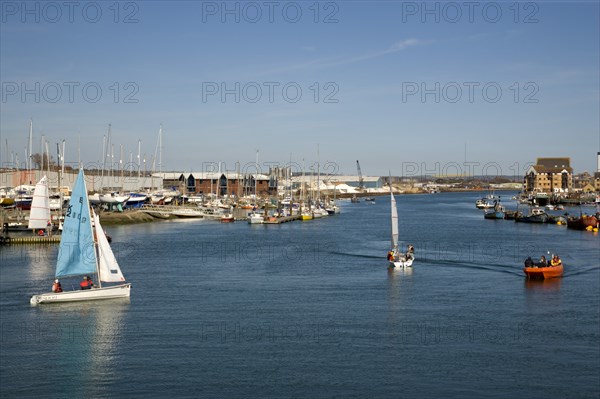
(61, 171)
(139, 159)
(239, 186)
(42, 151)
(302, 187)
(256, 179)
(103, 157)
(47, 158)
(93, 216)
(157, 151)
(112, 162)
(152, 170)
(107, 151)
(26, 165)
(218, 188)
(318, 177)
(303, 193)
(30, 144)
(394, 214)
(160, 148)
(228, 197)
(96, 248)
(289, 172)
(121, 163)
(62, 159)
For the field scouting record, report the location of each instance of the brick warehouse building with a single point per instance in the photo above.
(221, 183)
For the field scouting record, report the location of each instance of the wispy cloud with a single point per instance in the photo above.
(330, 62)
(394, 48)
(404, 44)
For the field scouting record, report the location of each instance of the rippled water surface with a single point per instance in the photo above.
(309, 309)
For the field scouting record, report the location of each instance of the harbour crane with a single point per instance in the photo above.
(361, 182)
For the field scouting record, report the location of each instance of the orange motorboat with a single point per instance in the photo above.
(544, 272)
(543, 269)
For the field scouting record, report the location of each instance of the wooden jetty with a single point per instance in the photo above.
(6, 239)
(281, 219)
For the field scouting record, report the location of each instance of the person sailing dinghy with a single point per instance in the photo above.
(395, 258)
(84, 250)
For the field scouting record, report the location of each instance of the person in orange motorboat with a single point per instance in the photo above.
(555, 261)
(543, 262)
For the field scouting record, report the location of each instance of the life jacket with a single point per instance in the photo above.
(85, 285)
(555, 262)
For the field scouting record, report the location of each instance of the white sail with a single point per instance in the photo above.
(394, 222)
(40, 206)
(396, 258)
(107, 263)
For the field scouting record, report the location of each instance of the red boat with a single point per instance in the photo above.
(583, 222)
(227, 218)
(544, 272)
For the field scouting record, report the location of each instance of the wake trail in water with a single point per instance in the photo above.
(578, 272)
(357, 255)
(498, 268)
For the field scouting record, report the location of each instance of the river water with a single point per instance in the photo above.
(309, 309)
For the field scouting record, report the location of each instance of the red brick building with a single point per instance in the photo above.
(229, 183)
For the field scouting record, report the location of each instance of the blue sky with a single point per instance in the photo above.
(387, 74)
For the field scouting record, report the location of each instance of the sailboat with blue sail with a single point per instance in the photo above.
(84, 250)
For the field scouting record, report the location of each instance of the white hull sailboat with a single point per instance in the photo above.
(84, 250)
(114, 198)
(403, 262)
(116, 291)
(395, 258)
(181, 212)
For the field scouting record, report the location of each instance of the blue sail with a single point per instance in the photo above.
(77, 254)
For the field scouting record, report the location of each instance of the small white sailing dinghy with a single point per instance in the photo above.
(395, 258)
(84, 250)
(39, 216)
